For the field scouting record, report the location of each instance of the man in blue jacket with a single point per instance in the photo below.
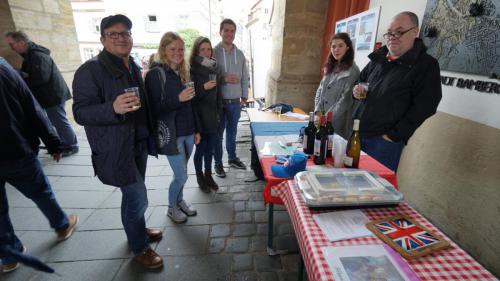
(47, 85)
(404, 90)
(22, 123)
(119, 128)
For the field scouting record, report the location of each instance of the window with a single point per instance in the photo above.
(151, 23)
(95, 25)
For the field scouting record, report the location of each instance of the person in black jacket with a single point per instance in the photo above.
(404, 89)
(119, 128)
(177, 127)
(47, 85)
(208, 106)
(22, 123)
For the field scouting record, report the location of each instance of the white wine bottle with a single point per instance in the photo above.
(353, 150)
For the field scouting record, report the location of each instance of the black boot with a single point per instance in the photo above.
(202, 184)
(210, 181)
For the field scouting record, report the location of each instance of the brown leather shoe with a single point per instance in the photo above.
(66, 233)
(154, 235)
(149, 259)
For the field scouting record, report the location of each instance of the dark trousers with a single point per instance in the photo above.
(386, 152)
(205, 151)
(27, 176)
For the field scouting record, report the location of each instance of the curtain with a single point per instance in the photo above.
(337, 10)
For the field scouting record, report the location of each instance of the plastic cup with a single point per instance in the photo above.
(212, 77)
(365, 86)
(135, 91)
(190, 84)
(338, 152)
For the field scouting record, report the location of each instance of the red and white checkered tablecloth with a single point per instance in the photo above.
(452, 263)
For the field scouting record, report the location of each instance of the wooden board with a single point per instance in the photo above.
(407, 237)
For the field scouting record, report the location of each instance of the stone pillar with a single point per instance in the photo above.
(297, 34)
(47, 22)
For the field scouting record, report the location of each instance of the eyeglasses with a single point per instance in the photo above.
(396, 34)
(116, 35)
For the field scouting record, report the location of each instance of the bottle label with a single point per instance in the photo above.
(317, 147)
(330, 142)
(304, 144)
(348, 161)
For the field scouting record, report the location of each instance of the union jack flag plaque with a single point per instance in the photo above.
(407, 237)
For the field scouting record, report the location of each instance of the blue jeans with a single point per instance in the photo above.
(57, 116)
(27, 176)
(229, 121)
(205, 151)
(134, 205)
(386, 152)
(178, 163)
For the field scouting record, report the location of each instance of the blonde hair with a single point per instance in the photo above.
(160, 57)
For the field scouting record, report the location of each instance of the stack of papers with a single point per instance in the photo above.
(343, 225)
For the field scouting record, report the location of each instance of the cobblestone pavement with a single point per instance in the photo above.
(225, 241)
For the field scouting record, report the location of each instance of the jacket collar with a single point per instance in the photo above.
(409, 58)
(107, 60)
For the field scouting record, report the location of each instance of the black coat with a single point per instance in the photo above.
(207, 103)
(111, 136)
(173, 118)
(22, 120)
(44, 78)
(402, 93)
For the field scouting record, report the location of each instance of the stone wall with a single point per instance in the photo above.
(298, 27)
(47, 22)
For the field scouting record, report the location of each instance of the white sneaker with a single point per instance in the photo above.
(176, 215)
(187, 209)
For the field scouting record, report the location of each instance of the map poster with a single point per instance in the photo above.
(463, 43)
(365, 33)
(362, 29)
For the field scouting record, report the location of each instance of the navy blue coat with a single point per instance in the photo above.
(22, 120)
(111, 136)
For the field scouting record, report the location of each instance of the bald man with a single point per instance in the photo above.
(404, 89)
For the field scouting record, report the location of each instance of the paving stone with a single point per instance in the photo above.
(291, 276)
(287, 242)
(243, 217)
(259, 243)
(262, 229)
(81, 184)
(81, 199)
(281, 216)
(153, 171)
(192, 268)
(102, 270)
(285, 228)
(268, 276)
(69, 170)
(245, 229)
(260, 216)
(216, 245)
(33, 218)
(263, 262)
(239, 206)
(245, 276)
(223, 197)
(89, 245)
(220, 230)
(255, 206)
(184, 240)
(214, 213)
(242, 262)
(105, 219)
(159, 182)
(237, 245)
(79, 160)
(290, 262)
(241, 196)
(256, 196)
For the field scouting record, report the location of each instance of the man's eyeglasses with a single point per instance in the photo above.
(116, 35)
(396, 34)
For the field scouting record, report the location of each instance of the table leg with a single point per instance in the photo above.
(270, 230)
(301, 268)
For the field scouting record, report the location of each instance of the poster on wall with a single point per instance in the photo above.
(362, 29)
(459, 39)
